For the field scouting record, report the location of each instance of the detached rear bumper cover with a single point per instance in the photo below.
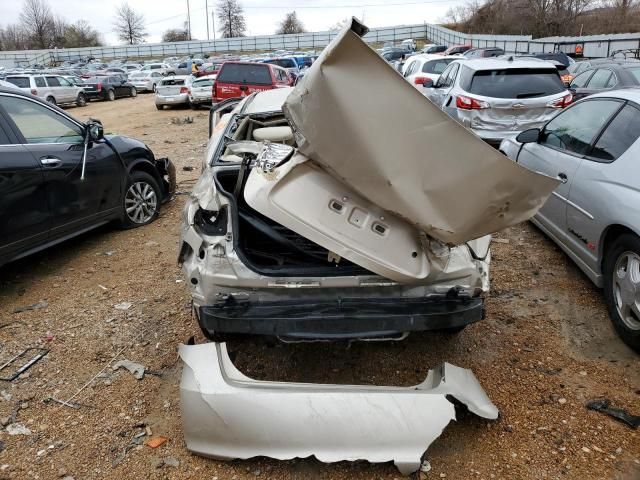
(227, 415)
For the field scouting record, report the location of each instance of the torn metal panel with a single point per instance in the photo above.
(355, 116)
(227, 415)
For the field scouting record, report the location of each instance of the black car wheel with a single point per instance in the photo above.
(81, 101)
(153, 87)
(111, 95)
(141, 200)
(621, 271)
(51, 100)
(133, 92)
(160, 107)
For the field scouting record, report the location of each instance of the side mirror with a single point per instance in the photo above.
(95, 129)
(428, 83)
(529, 136)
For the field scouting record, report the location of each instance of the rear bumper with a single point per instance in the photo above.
(340, 318)
(172, 100)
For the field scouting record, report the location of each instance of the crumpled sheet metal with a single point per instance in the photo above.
(357, 117)
(227, 415)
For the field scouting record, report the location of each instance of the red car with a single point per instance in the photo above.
(456, 49)
(239, 79)
(208, 70)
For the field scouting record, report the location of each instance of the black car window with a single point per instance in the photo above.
(600, 78)
(574, 129)
(4, 139)
(255, 74)
(516, 83)
(436, 66)
(451, 77)
(20, 82)
(39, 124)
(621, 133)
(53, 81)
(40, 82)
(581, 80)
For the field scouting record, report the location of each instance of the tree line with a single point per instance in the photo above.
(544, 18)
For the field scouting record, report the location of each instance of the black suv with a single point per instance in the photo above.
(60, 177)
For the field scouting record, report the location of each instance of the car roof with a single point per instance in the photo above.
(505, 63)
(268, 100)
(630, 93)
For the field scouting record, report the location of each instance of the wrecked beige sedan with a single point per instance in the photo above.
(347, 207)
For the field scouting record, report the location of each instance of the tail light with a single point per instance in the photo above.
(99, 87)
(561, 102)
(469, 103)
(213, 90)
(34, 92)
(420, 80)
(184, 89)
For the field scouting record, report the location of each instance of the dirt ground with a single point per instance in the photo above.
(544, 350)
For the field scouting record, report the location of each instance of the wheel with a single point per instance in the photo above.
(153, 88)
(133, 92)
(141, 200)
(51, 100)
(81, 101)
(621, 271)
(193, 106)
(111, 95)
(160, 107)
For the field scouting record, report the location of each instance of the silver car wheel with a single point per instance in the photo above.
(626, 289)
(140, 202)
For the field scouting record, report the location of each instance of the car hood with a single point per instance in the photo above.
(358, 119)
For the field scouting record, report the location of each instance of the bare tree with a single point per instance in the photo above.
(13, 37)
(290, 24)
(129, 25)
(81, 34)
(38, 22)
(176, 34)
(231, 18)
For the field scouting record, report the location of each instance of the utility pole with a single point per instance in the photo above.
(213, 24)
(189, 19)
(206, 9)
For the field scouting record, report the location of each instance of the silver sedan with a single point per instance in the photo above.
(594, 214)
(145, 81)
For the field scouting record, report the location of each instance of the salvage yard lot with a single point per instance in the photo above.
(545, 349)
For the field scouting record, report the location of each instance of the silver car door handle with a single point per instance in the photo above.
(50, 161)
(563, 177)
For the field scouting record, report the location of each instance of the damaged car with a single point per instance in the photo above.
(321, 215)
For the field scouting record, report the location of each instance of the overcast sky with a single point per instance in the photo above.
(262, 15)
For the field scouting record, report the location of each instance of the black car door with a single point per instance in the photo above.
(578, 85)
(56, 142)
(24, 212)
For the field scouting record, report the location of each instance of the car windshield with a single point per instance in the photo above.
(255, 74)
(516, 83)
(436, 66)
(20, 82)
(635, 73)
(283, 62)
(203, 83)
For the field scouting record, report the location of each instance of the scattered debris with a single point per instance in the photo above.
(425, 466)
(13, 322)
(123, 306)
(137, 369)
(187, 168)
(38, 354)
(181, 121)
(35, 306)
(17, 429)
(6, 396)
(604, 405)
(500, 240)
(103, 287)
(171, 462)
(562, 401)
(155, 442)
(151, 243)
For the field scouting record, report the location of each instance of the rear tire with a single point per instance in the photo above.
(51, 100)
(141, 200)
(621, 269)
(153, 88)
(160, 107)
(133, 93)
(111, 95)
(81, 101)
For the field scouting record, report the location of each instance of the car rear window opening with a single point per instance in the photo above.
(20, 82)
(172, 81)
(516, 83)
(245, 73)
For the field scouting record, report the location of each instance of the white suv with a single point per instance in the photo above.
(53, 88)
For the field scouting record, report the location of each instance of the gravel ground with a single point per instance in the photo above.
(545, 349)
